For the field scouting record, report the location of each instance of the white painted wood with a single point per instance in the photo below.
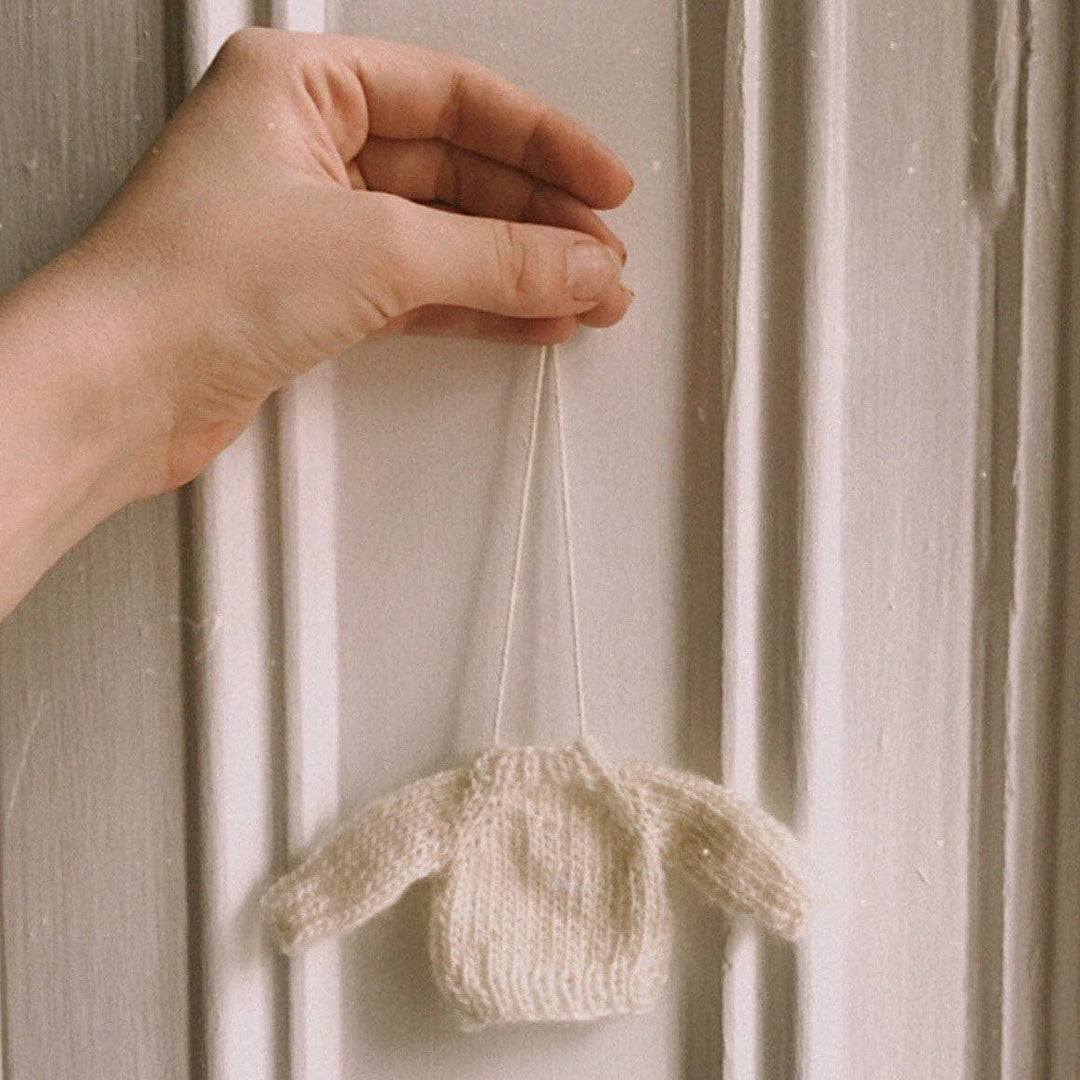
(268, 711)
(913, 416)
(309, 477)
(824, 482)
(93, 911)
(787, 461)
(238, 714)
(308, 500)
(1040, 1009)
(240, 749)
(1059, 35)
(308, 506)
(430, 461)
(955, 350)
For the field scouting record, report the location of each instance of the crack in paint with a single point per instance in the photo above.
(20, 769)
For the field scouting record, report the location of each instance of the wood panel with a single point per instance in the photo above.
(957, 416)
(825, 479)
(1040, 954)
(431, 450)
(93, 911)
(835, 438)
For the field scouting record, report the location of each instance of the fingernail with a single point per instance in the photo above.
(590, 269)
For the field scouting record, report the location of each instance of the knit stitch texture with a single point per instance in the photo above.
(549, 893)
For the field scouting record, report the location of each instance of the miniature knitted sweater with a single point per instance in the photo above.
(548, 863)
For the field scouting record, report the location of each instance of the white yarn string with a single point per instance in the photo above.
(515, 577)
(569, 547)
(526, 484)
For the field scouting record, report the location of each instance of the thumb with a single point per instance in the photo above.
(506, 267)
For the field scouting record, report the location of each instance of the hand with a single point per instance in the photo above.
(316, 190)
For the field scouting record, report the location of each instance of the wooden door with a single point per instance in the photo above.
(825, 483)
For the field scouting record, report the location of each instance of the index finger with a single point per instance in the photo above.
(414, 92)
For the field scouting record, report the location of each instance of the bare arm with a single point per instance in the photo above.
(74, 433)
(313, 191)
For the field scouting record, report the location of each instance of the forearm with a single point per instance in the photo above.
(72, 435)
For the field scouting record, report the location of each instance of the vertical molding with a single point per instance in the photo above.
(1024, 733)
(770, 377)
(236, 663)
(1040, 1003)
(1064, 932)
(265, 657)
(309, 581)
(783, 584)
(821, 1049)
(308, 479)
(710, 164)
(784, 523)
(741, 571)
(996, 184)
(742, 539)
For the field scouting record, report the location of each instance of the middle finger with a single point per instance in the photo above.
(430, 170)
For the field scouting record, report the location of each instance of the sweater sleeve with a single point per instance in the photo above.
(366, 865)
(736, 855)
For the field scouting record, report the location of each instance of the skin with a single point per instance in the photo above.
(312, 192)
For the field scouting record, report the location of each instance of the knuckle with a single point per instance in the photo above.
(512, 261)
(464, 76)
(248, 45)
(449, 122)
(394, 241)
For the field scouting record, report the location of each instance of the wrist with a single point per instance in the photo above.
(76, 431)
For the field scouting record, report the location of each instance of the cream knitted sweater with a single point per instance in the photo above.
(549, 898)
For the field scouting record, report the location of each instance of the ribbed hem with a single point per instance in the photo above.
(532, 995)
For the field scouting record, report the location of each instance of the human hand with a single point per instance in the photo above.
(300, 201)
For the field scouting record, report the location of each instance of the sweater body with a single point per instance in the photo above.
(548, 866)
(553, 906)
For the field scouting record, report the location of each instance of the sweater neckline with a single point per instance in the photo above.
(576, 758)
(577, 754)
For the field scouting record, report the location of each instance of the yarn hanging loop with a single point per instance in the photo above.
(519, 543)
(568, 546)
